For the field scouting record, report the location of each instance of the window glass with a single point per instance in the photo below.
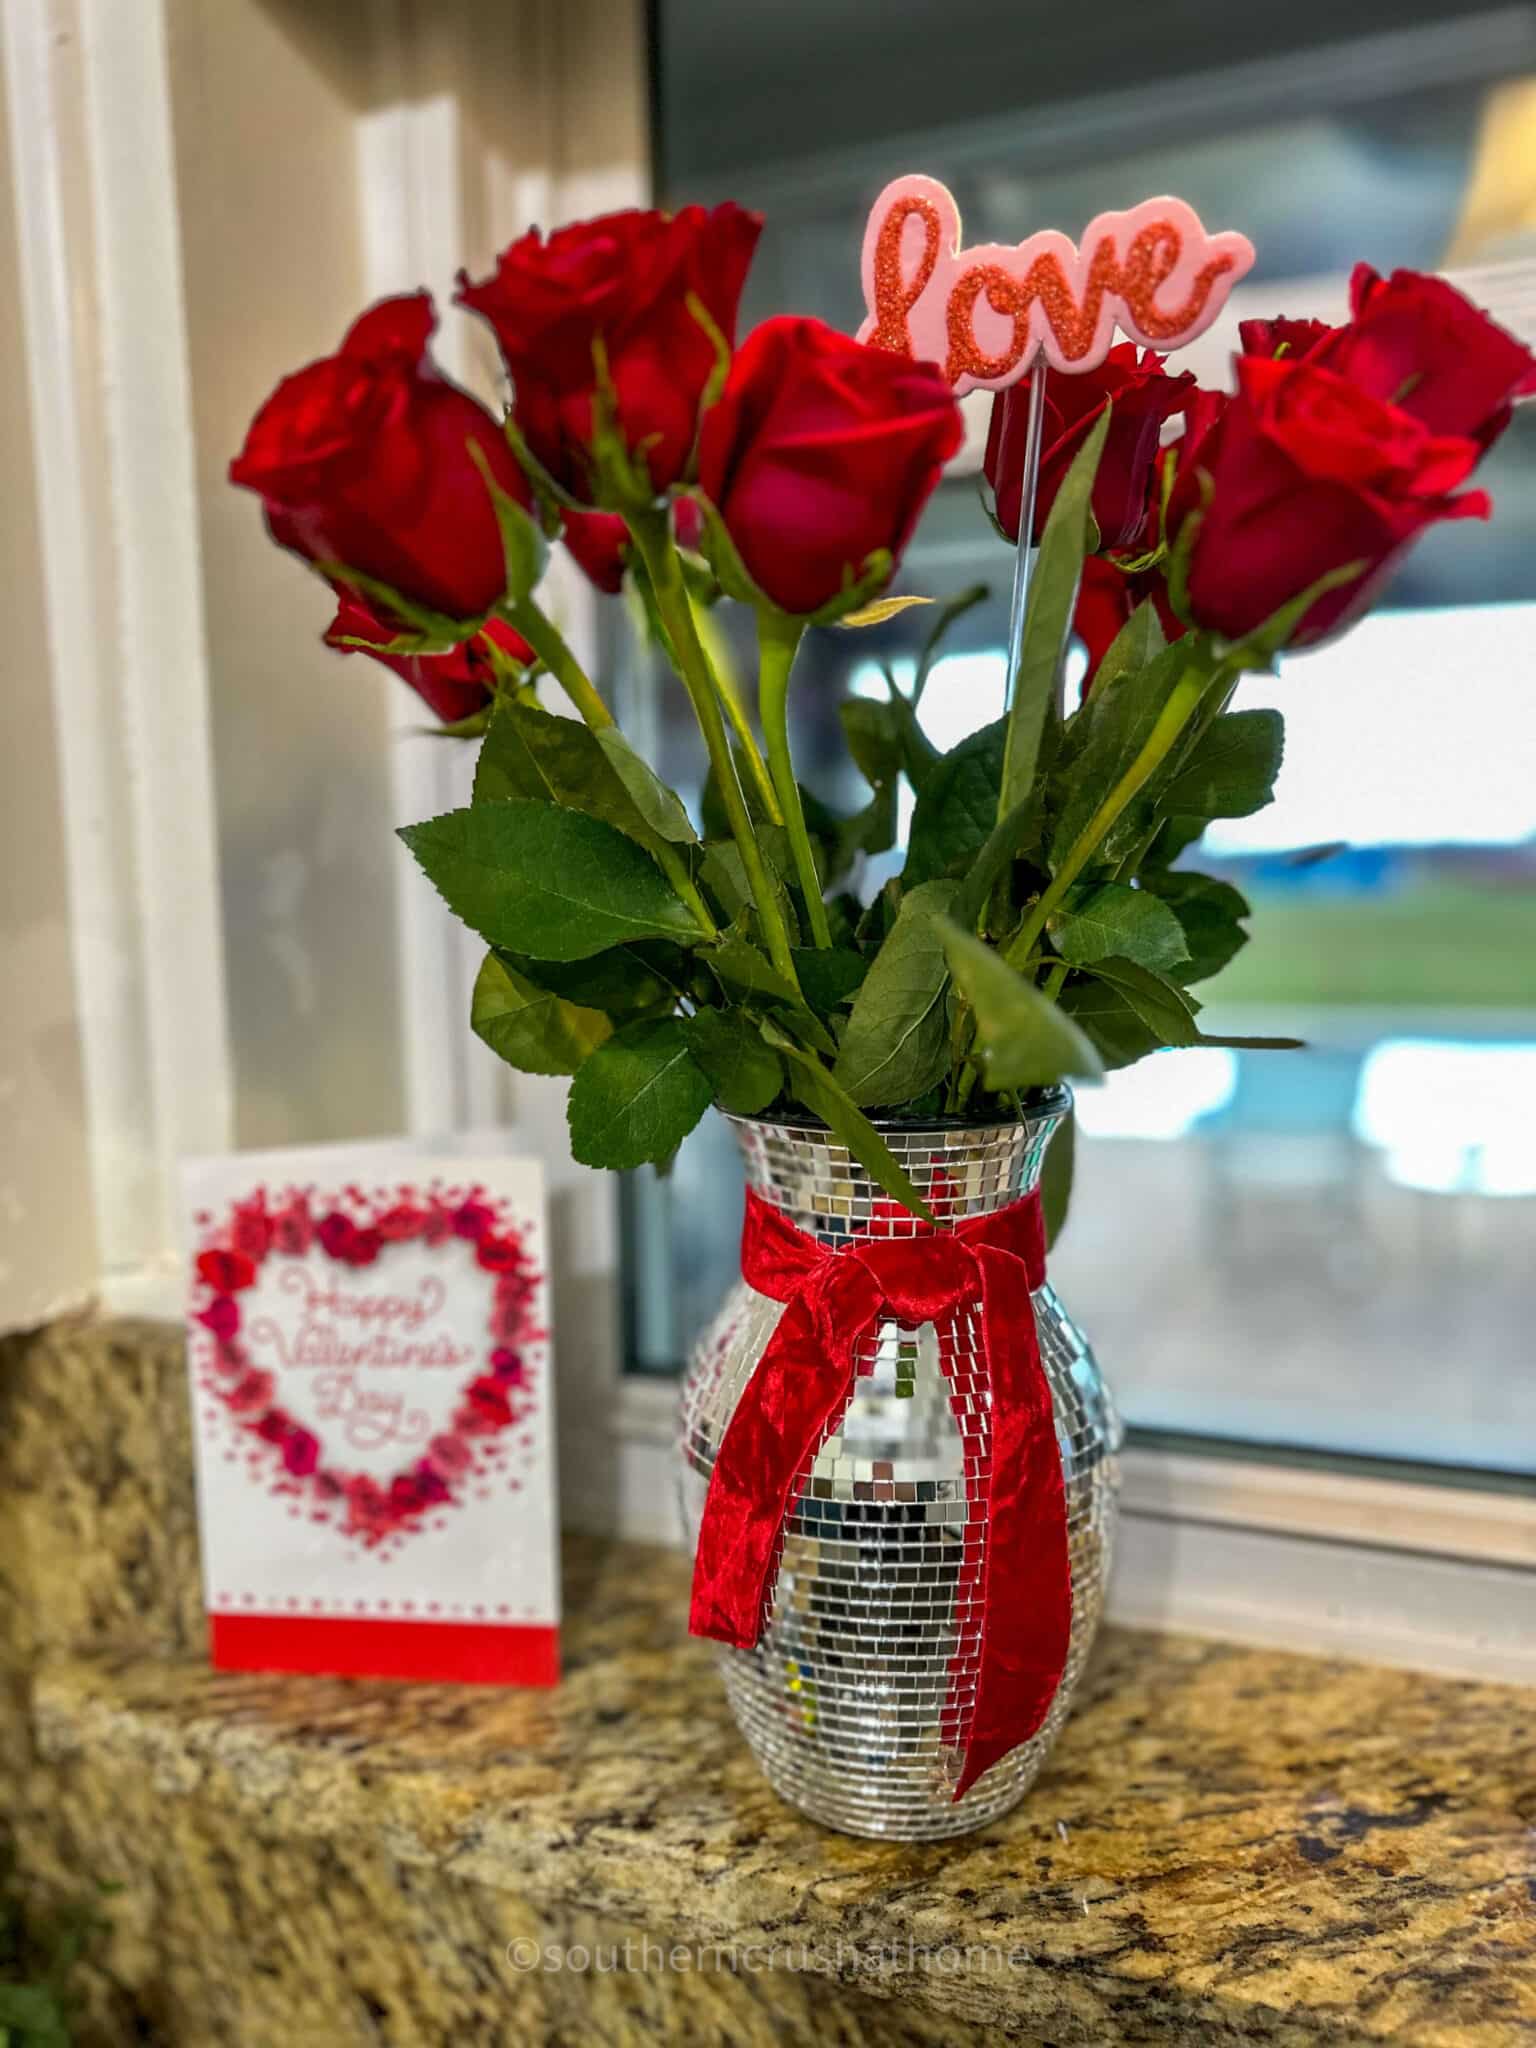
(1329, 1248)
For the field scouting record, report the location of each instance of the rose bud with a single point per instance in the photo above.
(454, 685)
(599, 544)
(622, 281)
(821, 452)
(1143, 398)
(1301, 475)
(362, 459)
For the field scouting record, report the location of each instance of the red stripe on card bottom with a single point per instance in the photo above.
(475, 1653)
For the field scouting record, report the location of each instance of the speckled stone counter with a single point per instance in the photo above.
(1228, 1845)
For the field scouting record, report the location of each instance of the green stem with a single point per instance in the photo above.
(778, 639)
(1054, 979)
(665, 571)
(548, 643)
(1212, 705)
(1182, 703)
(741, 725)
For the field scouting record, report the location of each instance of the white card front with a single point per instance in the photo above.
(368, 1346)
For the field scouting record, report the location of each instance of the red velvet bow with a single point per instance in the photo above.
(834, 1303)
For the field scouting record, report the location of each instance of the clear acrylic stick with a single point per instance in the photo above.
(1024, 553)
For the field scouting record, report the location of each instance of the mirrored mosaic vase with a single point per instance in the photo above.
(868, 1628)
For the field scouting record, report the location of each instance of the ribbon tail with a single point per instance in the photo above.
(802, 1383)
(1026, 1615)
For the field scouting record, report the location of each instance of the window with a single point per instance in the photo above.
(1326, 1250)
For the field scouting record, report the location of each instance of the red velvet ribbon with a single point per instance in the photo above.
(1021, 1574)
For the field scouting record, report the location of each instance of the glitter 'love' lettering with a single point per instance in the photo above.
(985, 313)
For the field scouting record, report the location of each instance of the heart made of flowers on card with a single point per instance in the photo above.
(331, 1362)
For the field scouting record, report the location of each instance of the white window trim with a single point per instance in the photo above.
(105, 335)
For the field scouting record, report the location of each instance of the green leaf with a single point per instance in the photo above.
(957, 809)
(659, 806)
(829, 976)
(1114, 1029)
(1104, 738)
(1163, 1007)
(1098, 919)
(624, 982)
(1013, 835)
(638, 1096)
(1231, 771)
(538, 879)
(529, 1027)
(725, 876)
(1137, 644)
(1056, 1177)
(739, 964)
(1048, 617)
(744, 1073)
(1168, 1012)
(1022, 1039)
(817, 1089)
(1210, 913)
(522, 542)
(874, 733)
(530, 752)
(897, 1041)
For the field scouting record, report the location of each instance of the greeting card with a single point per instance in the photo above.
(368, 1351)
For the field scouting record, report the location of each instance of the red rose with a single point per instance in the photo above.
(1106, 597)
(454, 685)
(820, 451)
(599, 543)
(624, 281)
(1420, 345)
(1143, 397)
(1308, 473)
(227, 1272)
(363, 459)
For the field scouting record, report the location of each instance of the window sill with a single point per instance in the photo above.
(1318, 1556)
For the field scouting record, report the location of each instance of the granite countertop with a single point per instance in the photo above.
(1227, 1844)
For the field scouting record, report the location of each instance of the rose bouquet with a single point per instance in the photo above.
(1048, 921)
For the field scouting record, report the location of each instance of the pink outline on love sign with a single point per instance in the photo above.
(986, 313)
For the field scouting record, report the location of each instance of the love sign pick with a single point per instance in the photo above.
(986, 313)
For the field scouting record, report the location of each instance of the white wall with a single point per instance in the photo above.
(211, 936)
